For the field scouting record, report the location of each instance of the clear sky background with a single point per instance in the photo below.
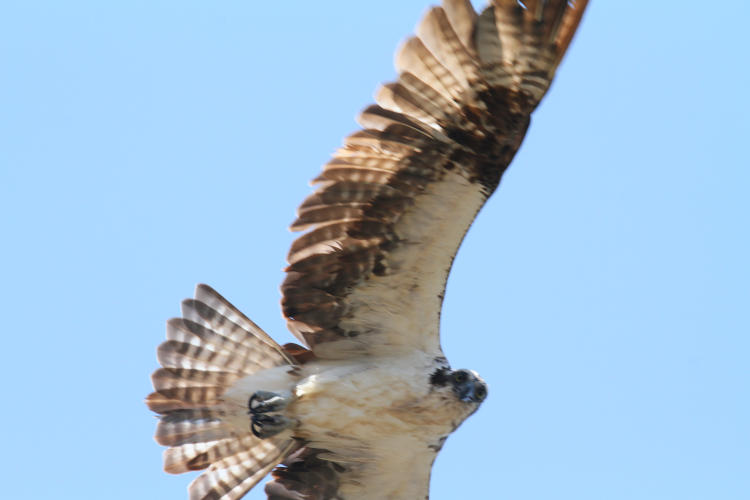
(603, 291)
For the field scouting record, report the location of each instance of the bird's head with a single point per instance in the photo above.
(466, 385)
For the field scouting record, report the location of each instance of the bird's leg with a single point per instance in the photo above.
(260, 406)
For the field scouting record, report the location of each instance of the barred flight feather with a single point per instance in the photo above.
(438, 36)
(415, 58)
(403, 98)
(378, 118)
(461, 17)
(337, 212)
(386, 142)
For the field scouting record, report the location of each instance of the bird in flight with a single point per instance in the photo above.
(362, 408)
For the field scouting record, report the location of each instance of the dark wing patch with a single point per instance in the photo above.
(391, 208)
(304, 475)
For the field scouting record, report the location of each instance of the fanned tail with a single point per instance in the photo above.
(207, 351)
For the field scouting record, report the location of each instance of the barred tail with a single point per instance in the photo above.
(207, 351)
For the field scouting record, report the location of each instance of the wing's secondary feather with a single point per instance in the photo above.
(391, 208)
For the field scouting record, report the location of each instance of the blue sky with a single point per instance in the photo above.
(603, 291)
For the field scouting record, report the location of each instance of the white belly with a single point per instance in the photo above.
(379, 416)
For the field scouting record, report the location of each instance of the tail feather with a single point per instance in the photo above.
(192, 426)
(224, 309)
(190, 457)
(203, 420)
(184, 355)
(180, 378)
(194, 396)
(194, 342)
(233, 476)
(190, 387)
(243, 333)
(178, 459)
(168, 400)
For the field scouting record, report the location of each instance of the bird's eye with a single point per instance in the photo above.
(460, 377)
(480, 393)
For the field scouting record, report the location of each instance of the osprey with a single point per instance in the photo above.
(363, 409)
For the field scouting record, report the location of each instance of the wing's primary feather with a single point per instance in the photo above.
(391, 208)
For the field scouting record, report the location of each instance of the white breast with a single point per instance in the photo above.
(378, 415)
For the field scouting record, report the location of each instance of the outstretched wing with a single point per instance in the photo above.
(392, 206)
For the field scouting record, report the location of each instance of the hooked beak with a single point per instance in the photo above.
(467, 392)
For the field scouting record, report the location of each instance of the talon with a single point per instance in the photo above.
(264, 426)
(266, 402)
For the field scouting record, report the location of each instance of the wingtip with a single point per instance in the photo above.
(569, 27)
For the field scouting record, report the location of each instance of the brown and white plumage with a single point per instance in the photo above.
(365, 281)
(393, 204)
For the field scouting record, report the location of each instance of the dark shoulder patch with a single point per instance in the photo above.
(439, 377)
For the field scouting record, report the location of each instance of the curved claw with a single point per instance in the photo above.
(260, 406)
(264, 426)
(266, 402)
